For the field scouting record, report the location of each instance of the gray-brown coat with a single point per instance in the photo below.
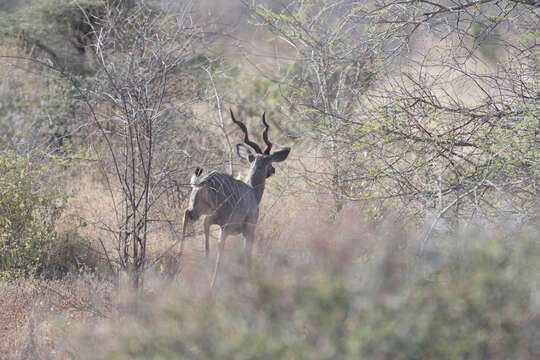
(232, 204)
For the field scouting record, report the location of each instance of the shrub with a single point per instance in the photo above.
(475, 302)
(28, 214)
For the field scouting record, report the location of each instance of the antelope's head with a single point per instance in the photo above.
(260, 161)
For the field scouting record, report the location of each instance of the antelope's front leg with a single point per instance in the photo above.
(249, 238)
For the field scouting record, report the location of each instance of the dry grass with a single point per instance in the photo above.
(38, 316)
(297, 241)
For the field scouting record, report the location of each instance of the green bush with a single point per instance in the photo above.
(29, 210)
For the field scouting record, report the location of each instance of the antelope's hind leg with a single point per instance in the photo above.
(221, 248)
(187, 216)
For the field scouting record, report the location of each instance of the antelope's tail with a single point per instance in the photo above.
(196, 175)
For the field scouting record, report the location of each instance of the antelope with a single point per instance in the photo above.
(230, 203)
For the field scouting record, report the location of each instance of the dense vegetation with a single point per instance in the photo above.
(403, 225)
(27, 218)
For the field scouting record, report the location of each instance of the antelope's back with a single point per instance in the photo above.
(235, 201)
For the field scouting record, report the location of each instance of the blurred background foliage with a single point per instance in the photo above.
(55, 31)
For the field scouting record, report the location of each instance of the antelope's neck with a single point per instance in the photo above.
(256, 181)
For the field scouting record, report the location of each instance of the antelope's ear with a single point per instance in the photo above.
(244, 152)
(280, 155)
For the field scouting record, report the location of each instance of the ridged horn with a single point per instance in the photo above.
(246, 137)
(265, 135)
